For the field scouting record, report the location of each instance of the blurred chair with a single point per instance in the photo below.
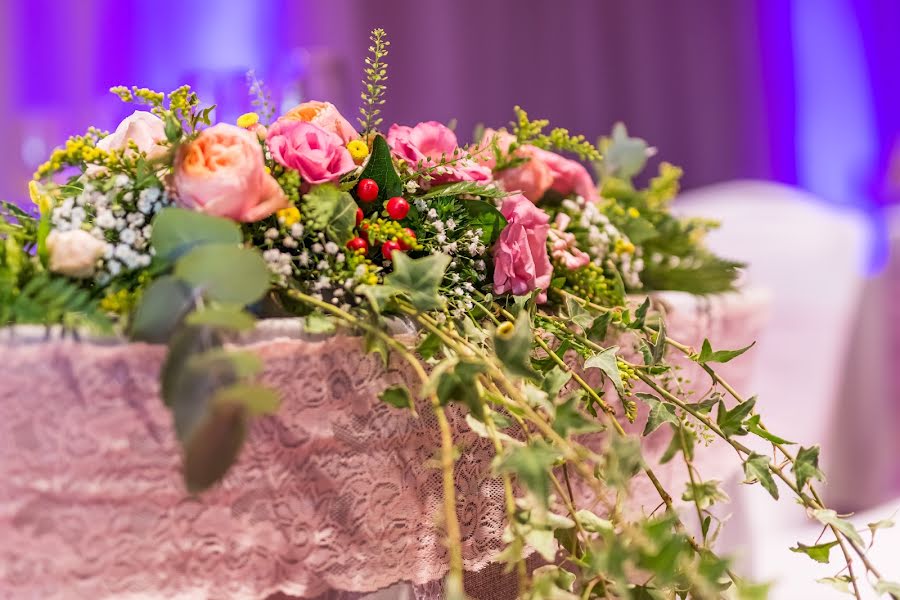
(810, 256)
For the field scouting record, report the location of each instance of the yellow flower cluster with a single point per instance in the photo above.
(381, 230)
(288, 216)
(623, 247)
(146, 95)
(78, 150)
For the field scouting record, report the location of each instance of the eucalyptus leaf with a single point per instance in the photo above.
(256, 399)
(163, 306)
(225, 273)
(222, 317)
(213, 445)
(178, 230)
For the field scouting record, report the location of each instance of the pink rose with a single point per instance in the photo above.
(222, 173)
(563, 246)
(429, 143)
(324, 115)
(520, 255)
(318, 155)
(145, 129)
(543, 170)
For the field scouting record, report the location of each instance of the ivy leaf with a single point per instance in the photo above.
(177, 230)
(826, 516)
(806, 466)
(622, 460)
(457, 381)
(578, 314)
(543, 541)
(316, 323)
(704, 493)
(752, 591)
(225, 273)
(753, 426)
(819, 553)
(660, 412)
(883, 586)
(326, 208)
(756, 468)
(606, 362)
(418, 279)
(512, 343)
(554, 381)
(163, 306)
(658, 350)
(719, 356)
(591, 522)
(731, 422)
(486, 217)
(531, 465)
(569, 420)
(841, 583)
(676, 444)
(381, 168)
(430, 346)
(397, 396)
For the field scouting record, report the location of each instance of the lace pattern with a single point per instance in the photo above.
(336, 493)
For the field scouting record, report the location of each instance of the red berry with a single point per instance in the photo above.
(367, 190)
(359, 216)
(397, 208)
(412, 234)
(358, 243)
(388, 248)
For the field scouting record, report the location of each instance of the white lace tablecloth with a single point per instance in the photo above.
(332, 497)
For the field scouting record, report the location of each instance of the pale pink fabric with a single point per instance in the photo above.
(332, 495)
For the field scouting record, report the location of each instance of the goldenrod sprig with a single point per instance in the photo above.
(531, 132)
(374, 88)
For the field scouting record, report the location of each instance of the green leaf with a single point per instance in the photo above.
(753, 426)
(222, 317)
(172, 128)
(884, 586)
(752, 591)
(606, 362)
(178, 230)
(569, 420)
(225, 273)
(660, 412)
(731, 422)
(826, 516)
(430, 346)
(719, 356)
(819, 552)
(43, 230)
(592, 523)
(756, 468)
(806, 466)
(554, 381)
(882, 524)
(676, 444)
(256, 399)
(543, 541)
(164, 305)
(640, 315)
(471, 188)
(326, 208)
(531, 465)
(626, 156)
(622, 460)
(456, 380)
(659, 348)
(639, 230)
(213, 445)
(704, 493)
(512, 344)
(841, 583)
(397, 396)
(418, 279)
(486, 217)
(578, 314)
(317, 323)
(381, 168)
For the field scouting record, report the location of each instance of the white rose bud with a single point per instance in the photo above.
(74, 253)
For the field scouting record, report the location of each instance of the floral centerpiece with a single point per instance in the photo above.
(511, 265)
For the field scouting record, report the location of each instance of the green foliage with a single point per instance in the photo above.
(373, 84)
(606, 362)
(332, 211)
(463, 188)
(826, 516)
(456, 380)
(623, 156)
(660, 412)
(756, 468)
(531, 132)
(512, 344)
(380, 168)
(819, 552)
(177, 230)
(485, 216)
(415, 279)
(731, 422)
(719, 356)
(806, 466)
(531, 465)
(165, 304)
(47, 300)
(225, 273)
(397, 396)
(704, 493)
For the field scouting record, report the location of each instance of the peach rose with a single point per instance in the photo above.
(544, 170)
(74, 253)
(325, 116)
(222, 173)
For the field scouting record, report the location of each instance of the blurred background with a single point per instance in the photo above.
(785, 115)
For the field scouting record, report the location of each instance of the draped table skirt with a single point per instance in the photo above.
(336, 496)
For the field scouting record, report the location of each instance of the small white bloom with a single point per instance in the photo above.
(451, 224)
(317, 248)
(271, 233)
(121, 181)
(304, 258)
(331, 248)
(297, 230)
(74, 253)
(127, 236)
(322, 266)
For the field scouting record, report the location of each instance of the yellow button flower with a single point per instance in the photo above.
(248, 120)
(288, 216)
(623, 247)
(633, 213)
(358, 150)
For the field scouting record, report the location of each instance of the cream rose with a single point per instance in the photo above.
(74, 253)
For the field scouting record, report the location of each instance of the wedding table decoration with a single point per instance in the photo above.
(292, 356)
